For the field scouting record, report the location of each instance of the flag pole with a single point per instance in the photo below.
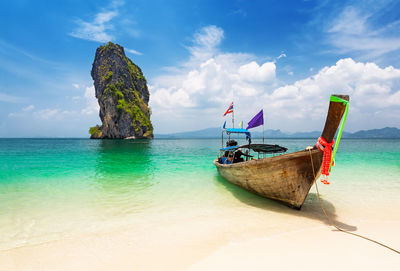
(233, 117)
(263, 126)
(263, 133)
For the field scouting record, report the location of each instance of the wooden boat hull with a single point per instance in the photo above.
(286, 178)
(289, 177)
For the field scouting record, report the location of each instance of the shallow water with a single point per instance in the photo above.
(52, 189)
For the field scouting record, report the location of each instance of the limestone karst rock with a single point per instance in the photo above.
(122, 93)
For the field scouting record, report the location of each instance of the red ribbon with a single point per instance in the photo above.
(326, 148)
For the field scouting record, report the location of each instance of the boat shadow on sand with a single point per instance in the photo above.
(310, 209)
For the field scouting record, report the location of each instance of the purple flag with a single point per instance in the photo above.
(256, 121)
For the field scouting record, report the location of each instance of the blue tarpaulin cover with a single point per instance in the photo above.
(238, 130)
(229, 148)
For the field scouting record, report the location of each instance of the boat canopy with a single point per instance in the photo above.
(265, 148)
(238, 131)
(229, 148)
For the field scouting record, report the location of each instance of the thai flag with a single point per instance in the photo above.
(230, 110)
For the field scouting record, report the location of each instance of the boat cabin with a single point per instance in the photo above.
(231, 152)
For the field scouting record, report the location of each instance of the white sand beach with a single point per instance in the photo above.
(249, 234)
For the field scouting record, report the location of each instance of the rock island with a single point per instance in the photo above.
(123, 96)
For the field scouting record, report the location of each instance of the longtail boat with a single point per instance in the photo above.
(287, 177)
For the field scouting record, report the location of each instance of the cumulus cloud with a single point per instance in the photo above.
(207, 82)
(252, 72)
(210, 79)
(374, 93)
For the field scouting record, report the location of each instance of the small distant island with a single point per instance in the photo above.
(123, 96)
(387, 132)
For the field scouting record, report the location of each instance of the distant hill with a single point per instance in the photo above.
(387, 132)
(205, 133)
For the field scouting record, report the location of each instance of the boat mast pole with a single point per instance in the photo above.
(233, 117)
(263, 126)
(263, 133)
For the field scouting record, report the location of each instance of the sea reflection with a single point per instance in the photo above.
(123, 158)
(123, 176)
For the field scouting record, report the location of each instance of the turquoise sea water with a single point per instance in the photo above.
(57, 188)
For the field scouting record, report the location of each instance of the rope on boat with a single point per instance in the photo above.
(331, 222)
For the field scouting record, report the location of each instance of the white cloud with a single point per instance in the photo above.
(208, 81)
(10, 98)
(13, 115)
(252, 72)
(24, 111)
(29, 108)
(205, 43)
(352, 31)
(54, 114)
(104, 26)
(372, 89)
(75, 86)
(98, 29)
(92, 105)
(208, 37)
(134, 52)
(47, 113)
(281, 56)
(210, 78)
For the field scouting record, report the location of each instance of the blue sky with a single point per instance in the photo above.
(283, 56)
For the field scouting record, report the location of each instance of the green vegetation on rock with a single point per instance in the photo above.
(135, 106)
(95, 132)
(104, 49)
(108, 75)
